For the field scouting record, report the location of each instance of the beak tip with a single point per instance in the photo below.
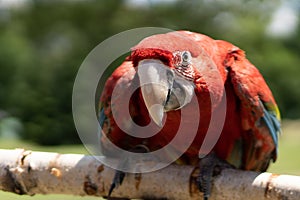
(159, 124)
(156, 112)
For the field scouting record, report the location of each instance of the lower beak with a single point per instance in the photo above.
(155, 80)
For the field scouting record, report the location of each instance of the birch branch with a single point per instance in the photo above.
(27, 172)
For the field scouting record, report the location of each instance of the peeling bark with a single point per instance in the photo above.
(27, 172)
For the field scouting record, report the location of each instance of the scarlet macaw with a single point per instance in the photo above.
(181, 64)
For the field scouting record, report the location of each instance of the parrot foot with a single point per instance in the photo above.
(120, 175)
(117, 181)
(210, 166)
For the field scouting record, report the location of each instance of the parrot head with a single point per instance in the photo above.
(168, 66)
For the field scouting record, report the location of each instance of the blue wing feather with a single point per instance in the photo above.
(273, 124)
(102, 117)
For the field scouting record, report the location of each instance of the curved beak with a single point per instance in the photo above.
(156, 81)
(162, 90)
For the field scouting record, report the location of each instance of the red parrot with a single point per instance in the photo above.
(181, 64)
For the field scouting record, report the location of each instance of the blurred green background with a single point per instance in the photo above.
(43, 43)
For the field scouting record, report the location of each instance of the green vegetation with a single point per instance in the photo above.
(8, 196)
(12, 144)
(40, 55)
(289, 145)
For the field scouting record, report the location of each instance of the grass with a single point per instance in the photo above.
(289, 146)
(287, 163)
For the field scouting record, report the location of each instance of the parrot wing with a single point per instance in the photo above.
(117, 88)
(259, 112)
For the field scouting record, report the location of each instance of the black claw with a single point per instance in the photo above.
(117, 181)
(209, 165)
(119, 175)
(111, 189)
(204, 180)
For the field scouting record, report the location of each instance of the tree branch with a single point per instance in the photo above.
(27, 172)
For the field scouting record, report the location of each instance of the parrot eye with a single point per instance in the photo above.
(182, 61)
(186, 58)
